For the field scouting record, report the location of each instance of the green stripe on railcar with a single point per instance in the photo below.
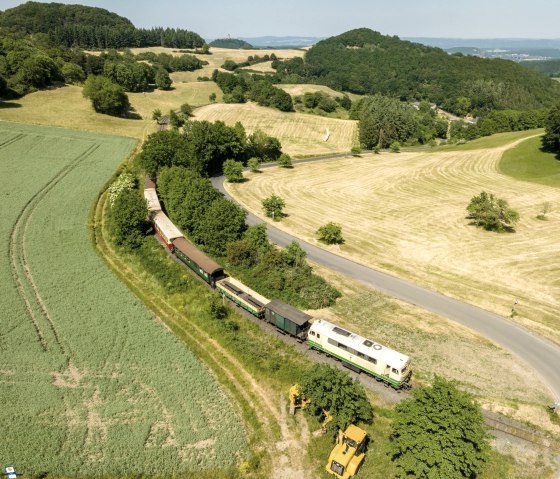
(392, 382)
(237, 300)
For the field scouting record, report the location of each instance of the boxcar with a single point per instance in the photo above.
(243, 296)
(361, 354)
(202, 265)
(287, 318)
(165, 229)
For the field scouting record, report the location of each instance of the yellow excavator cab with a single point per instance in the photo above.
(297, 401)
(348, 453)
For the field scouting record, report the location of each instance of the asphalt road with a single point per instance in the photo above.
(541, 355)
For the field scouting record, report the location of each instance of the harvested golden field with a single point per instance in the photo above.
(298, 90)
(300, 134)
(405, 213)
(66, 107)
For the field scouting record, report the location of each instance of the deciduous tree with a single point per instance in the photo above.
(331, 233)
(273, 206)
(439, 434)
(491, 213)
(233, 170)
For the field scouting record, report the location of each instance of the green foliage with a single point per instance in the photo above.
(550, 68)
(73, 73)
(365, 62)
(395, 147)
(163, 80)
(127, 218)
(233, 170)
(124, 182)
(175, 121)
(171, 63)
(551, 139)
(273, 206)
(212, 97)
(131, 75)
(232, 43)
(90, 27)
(261, 145)
(439, 434)
(383, 120)
(285, 161)
(331, 233)
(157, 115)
(222, 223)
(106, 96)
(217, 308)
(335, 391)
(266, 94)
(160, 150)
(186, 109)
(254, 163)
(491, 213)
(278, 274)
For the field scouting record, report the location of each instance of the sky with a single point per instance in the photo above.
(322, 18)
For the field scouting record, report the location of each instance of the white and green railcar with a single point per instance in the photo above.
(361, 354)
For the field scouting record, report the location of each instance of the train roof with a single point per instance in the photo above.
(149, 184)
(166, 227)
(152, 199)
(359, 343)
(190, 250)
(287, 311)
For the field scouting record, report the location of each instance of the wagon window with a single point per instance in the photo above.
(372, 360)
(318, 335)
(352, 351)
(395, 371)
(333, 342)
(361, 355)
(312, 333)
(342, 346)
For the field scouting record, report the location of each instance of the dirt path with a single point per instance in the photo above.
(289, 449)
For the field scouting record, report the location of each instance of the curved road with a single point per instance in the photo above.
(540, 354)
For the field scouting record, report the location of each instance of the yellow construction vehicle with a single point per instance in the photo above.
(348, 453)
(297, 401)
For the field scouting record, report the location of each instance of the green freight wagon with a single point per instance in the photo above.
(287, 318)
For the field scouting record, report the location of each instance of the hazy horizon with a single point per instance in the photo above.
(476, 19)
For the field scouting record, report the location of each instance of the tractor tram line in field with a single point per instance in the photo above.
(21, 272)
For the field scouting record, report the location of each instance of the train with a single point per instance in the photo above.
(357, 353)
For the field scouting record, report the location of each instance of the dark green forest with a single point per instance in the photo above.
(90, 27)
(232, 43)
(366, 62)
(550, 68)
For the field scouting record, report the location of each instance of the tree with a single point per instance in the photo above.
(176, 121)
(551, 139)
(233, 170)
(383, 120)
(106, 97)
(331, 233)
(294, 255)
(395, 147)
(261, 145)
(254, 164)
(285, 161)
(186, 110)
(212, 97)
(439, 434)
(127, 219)
(491, 213)
(334, 391)
(156, 115)
(223, 223)
(273, 206)
(163, 80)
(73, 73)
(161, 149)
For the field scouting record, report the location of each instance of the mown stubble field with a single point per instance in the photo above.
(405, 213)
(299, 133)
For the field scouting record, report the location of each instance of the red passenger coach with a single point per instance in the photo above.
(165, 229)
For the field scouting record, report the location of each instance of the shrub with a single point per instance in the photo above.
(331, 233)
(273, 206)
(106, 97)
(253, 164)
(233, 170)
(491, 213)
(285, 161)
(395, 147)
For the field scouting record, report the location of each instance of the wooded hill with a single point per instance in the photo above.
(232, 43)
(90, 27)
(367, 62)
